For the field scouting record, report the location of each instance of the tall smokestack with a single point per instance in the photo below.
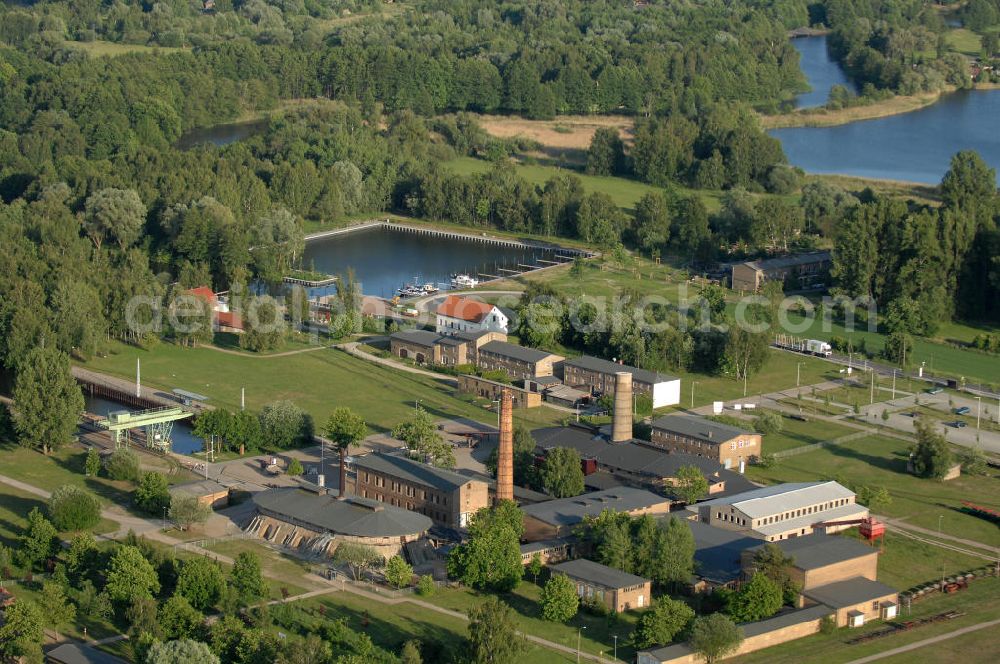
(505, 453)
(621, 425)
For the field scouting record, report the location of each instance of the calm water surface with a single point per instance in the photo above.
(384, 259)
(915, 147)
(183, 440)
(220, 134)
(820, 69)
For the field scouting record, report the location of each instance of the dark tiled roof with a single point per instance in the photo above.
(630, 457)
(72, 653)
(819, 550)
(521, 494)
(698, 428)
(570, 511)
(848, 593)
(602, 575)
(717, 551)
(356, 516)
(413, 472)
(419, 337)
(790, 261)
(515, 352)
(472, 335)
(591, 363)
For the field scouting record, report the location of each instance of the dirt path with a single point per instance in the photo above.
(926, 642)
(352, 348)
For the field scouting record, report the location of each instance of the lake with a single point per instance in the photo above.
(820, 69)
(182, 438)
(385, 259)
(220, 134)
(915, 146)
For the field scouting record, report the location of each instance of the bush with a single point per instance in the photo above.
(73, 508)
(827, 625)
(123, 465)
(768, 422)
(294, 467)
(425, 586)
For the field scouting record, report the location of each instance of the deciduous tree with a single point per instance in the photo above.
(493, 637)
(49, 400)
(345, 428)
(73, 508)
(690, 485)
(130, 575)
(398, 572)
(559, 599)
(757, 599)
(562, 474)
(666, 619)
(422, 438)
(714, 636)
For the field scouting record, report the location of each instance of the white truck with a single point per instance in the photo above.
(817, 347)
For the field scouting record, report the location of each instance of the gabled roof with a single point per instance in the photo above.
(515, 352)
(417, 337)
(818, 550)
(782, 498)
(570, 511)
(599, 365)
(413, 472)
(598, 574)
(635, 457)
(72, 653)
(848, 593)
(789, 261)
(718, 551)
(204, 292)
(464, 308)
(700, 428)
(360, 517)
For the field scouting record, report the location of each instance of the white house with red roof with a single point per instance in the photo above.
(463, 314)
(223, 318)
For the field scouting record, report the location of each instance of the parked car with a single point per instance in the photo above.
(962, 410)
(935, 390)
(958, 424)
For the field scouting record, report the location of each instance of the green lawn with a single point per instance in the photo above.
(796, 434)
(906, 563)
(878, 461)
(978, 603)
(390, 626)
(939, 358)
(282, 570)
(597, 637)
(979, 647)
(317, 381)
(624, 192)
(964, 41)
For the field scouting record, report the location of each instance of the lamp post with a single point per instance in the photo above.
(579, 631)
(615, 637)
(164, 517)
(894, 384)
(693, 383)
(979, 410)
(798, 373)
(941, 516)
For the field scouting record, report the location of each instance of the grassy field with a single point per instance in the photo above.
(597, 635)
(796, 434)
(624, 192)
(281, 570)
(979, 647)
(978, 604)
(939, 358)
(877, 461)
(821, 117)
(906, 563)
(964, 41)
(390, 626)
(317, 381)
(100, 48)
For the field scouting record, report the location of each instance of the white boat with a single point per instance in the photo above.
(463, 281)
(430, 289)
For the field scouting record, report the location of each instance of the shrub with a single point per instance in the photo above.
(123, 465)
(295, 467)
(827, 625)
(73, 508)
(425, 586)
(768, 422)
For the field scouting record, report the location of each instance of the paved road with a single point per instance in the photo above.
(988, 441)
(926, 642)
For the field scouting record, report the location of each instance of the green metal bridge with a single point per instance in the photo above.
(157, 422)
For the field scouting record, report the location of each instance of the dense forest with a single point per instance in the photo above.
(97, 204)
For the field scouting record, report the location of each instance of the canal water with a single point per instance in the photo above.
(386, 259)
(220, 134)
(914, 147)
(820, 69)
(183, 440)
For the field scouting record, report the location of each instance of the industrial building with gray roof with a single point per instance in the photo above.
(413, 471)
(354, 516)
(598, 574)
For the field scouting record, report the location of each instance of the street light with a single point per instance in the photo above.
(693, 383)
(798, 373)
(979, 410)
(615, 637)
(164, 517)
(579, 631)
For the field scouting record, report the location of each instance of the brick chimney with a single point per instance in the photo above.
(621, 424)
(505, 453)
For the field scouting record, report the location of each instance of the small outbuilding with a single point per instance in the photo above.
(618, 590)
